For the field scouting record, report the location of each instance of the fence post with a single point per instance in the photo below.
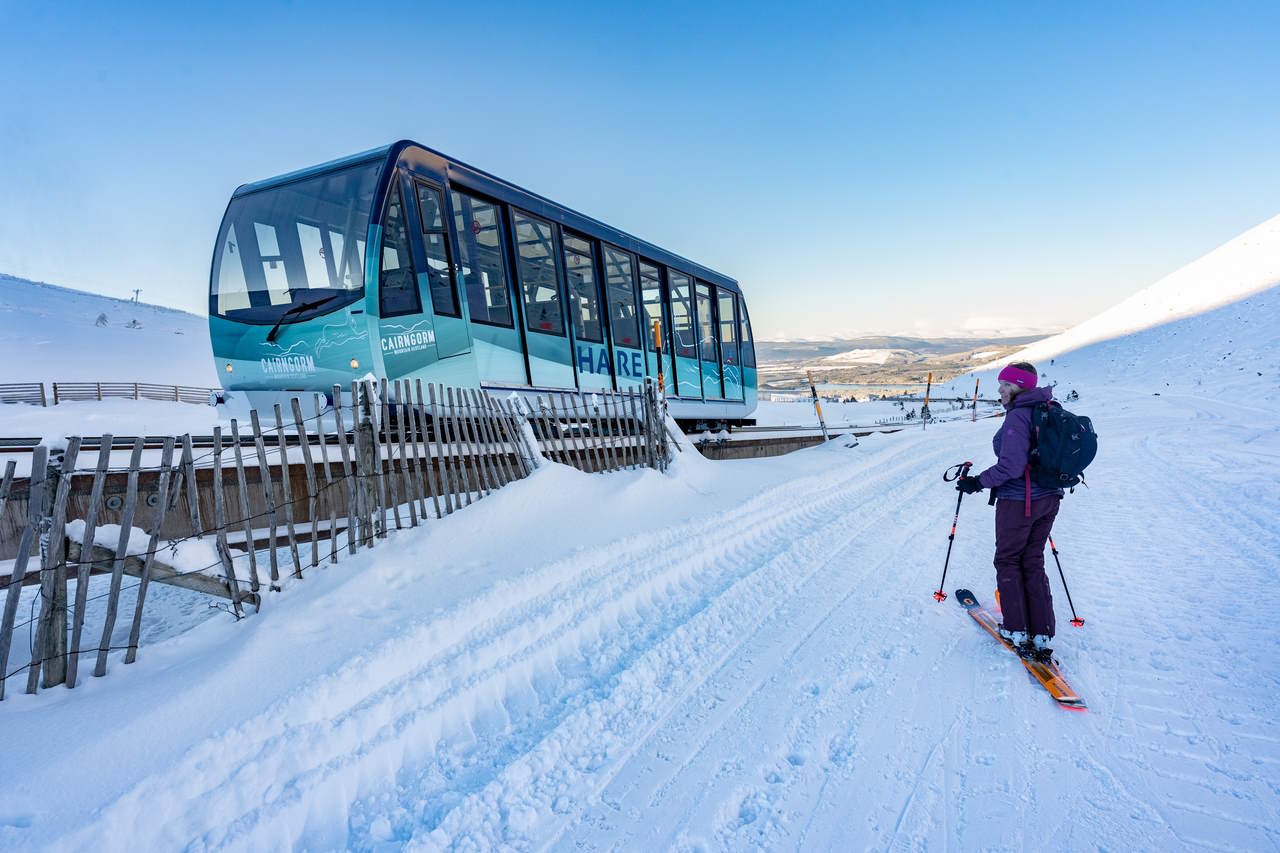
(34, 501)
(122, 553)
(366, 460)
(44, 401)
(84, 563)
(220, 524)
(144, 577)
(51, 632)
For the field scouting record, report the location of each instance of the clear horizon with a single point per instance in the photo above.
(916, 171)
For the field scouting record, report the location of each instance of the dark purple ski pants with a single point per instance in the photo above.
(1025, 601)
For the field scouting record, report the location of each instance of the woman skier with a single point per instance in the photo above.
(1024, 516)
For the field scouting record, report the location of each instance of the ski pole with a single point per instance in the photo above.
(960, 470)
(1076, 621)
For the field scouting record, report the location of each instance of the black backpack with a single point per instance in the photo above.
(1062, 446)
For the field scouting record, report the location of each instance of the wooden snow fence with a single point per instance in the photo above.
(268, 499)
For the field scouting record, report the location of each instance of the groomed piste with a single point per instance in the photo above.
(739, 654)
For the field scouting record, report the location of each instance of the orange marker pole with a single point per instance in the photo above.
(817, 407)
(924, 412)
(975, 399)
(657, 345)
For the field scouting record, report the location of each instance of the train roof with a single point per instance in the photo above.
(503, 190)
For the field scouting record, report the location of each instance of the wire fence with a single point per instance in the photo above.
(403, 457)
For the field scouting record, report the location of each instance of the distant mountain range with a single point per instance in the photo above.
(886, 361)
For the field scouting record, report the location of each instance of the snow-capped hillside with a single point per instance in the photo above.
(871, 356)
(54, 334)
(1243, 266)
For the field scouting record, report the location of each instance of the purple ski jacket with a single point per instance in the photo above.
(1012, 445)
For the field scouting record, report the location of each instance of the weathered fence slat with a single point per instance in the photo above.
(377, 460)
(364, 508)
(387, 441)
(193, 494)
(220, 525)
(242, 486)
(564, 434)
(457, 445)
(497, 448)
(423, 449)
(283, 446)
(545, 442)
(329, 487)
(268, 495)
(35, 499)
(7, 483)
(402, 415)
(482, 461)
(313, 504)
(162, 507)
(352, 503)
(53, 581)
(85, 566)
(442, 460)
(122, 550)
(514, 436)
(408, 451)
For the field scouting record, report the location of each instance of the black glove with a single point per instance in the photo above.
(968, 485)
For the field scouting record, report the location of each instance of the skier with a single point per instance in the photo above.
(1024, 516)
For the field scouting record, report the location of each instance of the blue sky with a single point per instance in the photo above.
(881, 168)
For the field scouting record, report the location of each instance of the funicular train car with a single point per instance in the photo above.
(404, 263)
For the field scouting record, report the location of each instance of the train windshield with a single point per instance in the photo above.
(294, 251)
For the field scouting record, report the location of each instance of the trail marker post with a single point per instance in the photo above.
(817, 406)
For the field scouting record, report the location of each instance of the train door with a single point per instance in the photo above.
(407, 334)
(748, 355)
(486, 284)
(730, 360)
(707, 348)
(684, 334)
(538, 272)
(439, 250)
(624, 320)
(651, 292)
(590, 353)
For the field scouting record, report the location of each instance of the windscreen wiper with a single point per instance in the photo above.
(298, 309)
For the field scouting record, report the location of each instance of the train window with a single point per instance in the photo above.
(535, 245)
(314, 259)
(478, 224)
(397, 287)
(744, 326)
(272, 263)
(706, 323)
(232, 290)
(584, 295)
(622, 298)
(435, 242)
(728, 328)
(296, 250)
(651, 297)
(682, 324)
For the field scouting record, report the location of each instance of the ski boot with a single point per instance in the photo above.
(1017, 639)
(1040, 650)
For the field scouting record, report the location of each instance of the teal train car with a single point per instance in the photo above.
(403, 263)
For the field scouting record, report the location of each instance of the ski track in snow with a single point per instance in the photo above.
(767, 672)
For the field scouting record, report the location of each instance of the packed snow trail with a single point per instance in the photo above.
(737, 655)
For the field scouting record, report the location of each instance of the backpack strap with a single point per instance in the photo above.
(1026, 476)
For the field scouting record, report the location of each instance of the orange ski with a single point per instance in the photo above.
(1048, 674)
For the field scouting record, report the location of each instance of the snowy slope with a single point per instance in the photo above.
(1245, 265)
(51, 333)
(736, 656)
